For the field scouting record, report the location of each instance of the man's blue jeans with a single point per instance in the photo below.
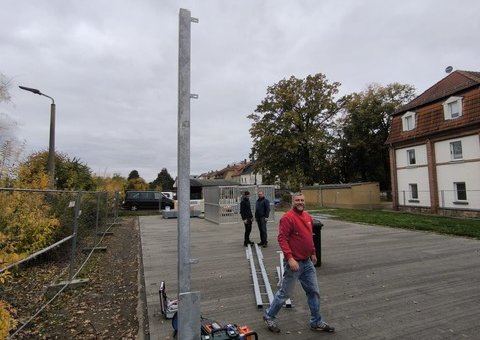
(307, 276)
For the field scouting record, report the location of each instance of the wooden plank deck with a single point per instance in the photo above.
(375, 282)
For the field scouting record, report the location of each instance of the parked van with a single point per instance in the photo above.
(153, 200)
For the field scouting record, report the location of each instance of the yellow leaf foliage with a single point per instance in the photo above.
(7, 322)
(32, 178)
(109, 184)
(25, 225)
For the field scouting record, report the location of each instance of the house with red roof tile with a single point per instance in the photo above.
(243, 173)
(434, 145)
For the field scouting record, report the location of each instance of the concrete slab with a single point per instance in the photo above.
(174, 213)
(375, 282)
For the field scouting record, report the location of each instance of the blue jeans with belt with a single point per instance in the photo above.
(307, 276)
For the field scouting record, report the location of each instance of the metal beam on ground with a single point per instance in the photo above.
(256, 286)
(268, 288)
(280, 272)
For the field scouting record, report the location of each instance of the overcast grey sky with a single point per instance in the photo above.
(112, 67)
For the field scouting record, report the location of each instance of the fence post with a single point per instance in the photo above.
(75, 235)
(106, 211)
(115, 207)
(321, 197)
(97, 219)
(443, 201)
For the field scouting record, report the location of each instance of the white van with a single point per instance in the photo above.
(169, 194)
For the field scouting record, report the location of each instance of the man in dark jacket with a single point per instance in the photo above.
(262, 211)
(246, 213)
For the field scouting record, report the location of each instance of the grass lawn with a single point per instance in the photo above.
(438, 224)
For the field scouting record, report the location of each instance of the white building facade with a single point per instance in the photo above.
(435, 148)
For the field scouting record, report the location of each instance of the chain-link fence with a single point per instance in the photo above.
(222, 203)
(46, 238)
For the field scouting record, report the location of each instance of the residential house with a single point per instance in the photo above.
(248, 175)
(231, 171)
(434, 147)
(242, 173)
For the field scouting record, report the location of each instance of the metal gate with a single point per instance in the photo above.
(222, 203)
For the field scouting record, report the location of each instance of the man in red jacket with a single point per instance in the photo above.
(296, 241)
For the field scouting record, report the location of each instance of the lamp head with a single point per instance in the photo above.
(30, 89)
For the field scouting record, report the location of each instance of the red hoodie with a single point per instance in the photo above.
(295, 235)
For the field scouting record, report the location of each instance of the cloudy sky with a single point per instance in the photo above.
(112, 67)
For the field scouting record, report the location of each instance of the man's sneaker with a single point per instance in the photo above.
(322, 327)
(271, 324)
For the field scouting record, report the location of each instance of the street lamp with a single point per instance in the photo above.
(253, 163)
(51, 146)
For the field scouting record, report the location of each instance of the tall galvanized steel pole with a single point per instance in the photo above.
(189, 302)
(51, 147)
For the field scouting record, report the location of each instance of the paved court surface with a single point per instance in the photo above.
(375, 282)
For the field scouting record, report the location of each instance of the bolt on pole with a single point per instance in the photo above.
(189, 302)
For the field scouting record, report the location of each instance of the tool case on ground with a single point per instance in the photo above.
(168, 307)
(210, 329)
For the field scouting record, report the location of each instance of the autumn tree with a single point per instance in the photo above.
(137, 184)
(116, 183)
(133, 174)
(290, 130)
(4, 84)
(8, 252)
(363, 129)
(11, 147)
(163, 181)
(70, 174)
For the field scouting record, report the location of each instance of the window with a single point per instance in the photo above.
(411, 157)
(453, 108)
(456, 150)
(413, 191)
(460, 191)
(408, 121)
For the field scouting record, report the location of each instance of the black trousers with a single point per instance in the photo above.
(262, 227)
(248, 230)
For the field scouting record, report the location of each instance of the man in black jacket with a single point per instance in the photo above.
(262, 211)
(246, 213)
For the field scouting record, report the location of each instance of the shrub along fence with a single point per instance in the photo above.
(46, 239)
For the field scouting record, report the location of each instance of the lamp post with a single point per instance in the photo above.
(51, 145)
(253, 164)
